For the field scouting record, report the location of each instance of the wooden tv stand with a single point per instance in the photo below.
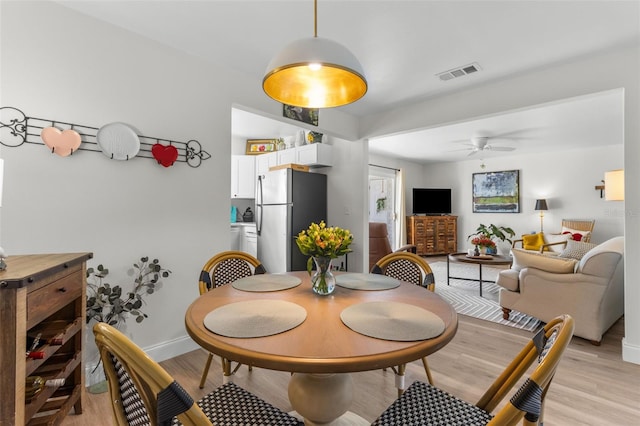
(433, 234)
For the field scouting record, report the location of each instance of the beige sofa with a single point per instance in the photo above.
(590, 290)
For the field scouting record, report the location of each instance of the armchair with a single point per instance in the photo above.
(555, 243)
(592, 292)
(379, 245)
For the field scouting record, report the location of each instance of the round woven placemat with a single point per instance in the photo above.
(358, 281)
(392, 321)
(266, 282)
(255, 318)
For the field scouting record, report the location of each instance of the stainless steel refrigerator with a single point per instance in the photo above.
(287, 201)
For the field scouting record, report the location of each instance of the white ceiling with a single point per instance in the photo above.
(402, 45)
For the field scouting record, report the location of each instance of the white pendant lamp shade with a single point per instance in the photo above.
(315, 73)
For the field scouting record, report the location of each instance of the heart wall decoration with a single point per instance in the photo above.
(63, 142)
(165, 155)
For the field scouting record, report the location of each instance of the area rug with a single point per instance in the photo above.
(465, 298)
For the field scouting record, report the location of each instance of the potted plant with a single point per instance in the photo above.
(493, 232)
(110, 304)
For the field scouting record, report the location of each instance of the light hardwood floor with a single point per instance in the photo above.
(593, 386)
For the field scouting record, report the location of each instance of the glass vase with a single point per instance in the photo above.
(322, 281)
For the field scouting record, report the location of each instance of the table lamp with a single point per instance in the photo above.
(541, 205)
(3, 265)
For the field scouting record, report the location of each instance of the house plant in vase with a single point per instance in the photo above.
(110, 304)
(483, 245)
(323, 244)
(492, 233)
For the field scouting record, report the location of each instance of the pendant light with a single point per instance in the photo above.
(315, 73)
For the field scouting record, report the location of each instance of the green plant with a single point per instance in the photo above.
(492, 231)
(106, 303)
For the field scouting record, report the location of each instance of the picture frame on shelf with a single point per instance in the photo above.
(496, 192)
(260, 146)
(305, 115)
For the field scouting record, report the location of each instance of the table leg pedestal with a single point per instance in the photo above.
(321, 399)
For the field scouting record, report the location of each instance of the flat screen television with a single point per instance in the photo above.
(432, 201)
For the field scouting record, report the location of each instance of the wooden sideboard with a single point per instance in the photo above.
(42, 294)
(433, 234)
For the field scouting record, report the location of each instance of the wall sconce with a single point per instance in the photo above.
(614, 184)
(612, 188)
(542, 206)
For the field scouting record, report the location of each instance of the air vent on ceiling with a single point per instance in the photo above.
(459, 72)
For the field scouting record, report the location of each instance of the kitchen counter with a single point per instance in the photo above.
(239, 224)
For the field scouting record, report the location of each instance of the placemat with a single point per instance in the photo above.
(266, 282)
(358, 281)
(392, 321)
(255, 318)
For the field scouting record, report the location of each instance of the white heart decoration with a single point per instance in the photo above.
(63, 142)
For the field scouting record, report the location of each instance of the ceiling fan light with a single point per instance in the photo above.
(315, 73)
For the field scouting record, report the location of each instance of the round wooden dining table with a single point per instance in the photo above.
(322, 350)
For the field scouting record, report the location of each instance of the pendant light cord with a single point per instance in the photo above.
(315, 18)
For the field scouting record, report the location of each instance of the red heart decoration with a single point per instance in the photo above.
(166, 155)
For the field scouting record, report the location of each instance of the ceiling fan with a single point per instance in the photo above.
(481, 143)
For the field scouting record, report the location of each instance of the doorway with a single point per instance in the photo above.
(383, 182)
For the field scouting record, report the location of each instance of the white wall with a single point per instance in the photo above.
(61, 65)
(566, 181)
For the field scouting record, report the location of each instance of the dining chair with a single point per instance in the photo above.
(143, 393)
(411, 268)
(379, 245)
(424, 404)
(222, 269)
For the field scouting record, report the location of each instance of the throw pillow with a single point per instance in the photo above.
(576, 234)
(556, 238)
(576, 249)
(526, 259)
(532, 241)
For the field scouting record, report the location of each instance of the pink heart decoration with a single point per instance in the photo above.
(166, 155)
(61, 143)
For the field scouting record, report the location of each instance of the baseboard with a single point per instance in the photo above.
(630, 353)
(171, 348)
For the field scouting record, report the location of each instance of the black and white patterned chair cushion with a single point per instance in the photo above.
(134, 409)
(231, 405)
(425, 405)
(404, 270)
(230, 270)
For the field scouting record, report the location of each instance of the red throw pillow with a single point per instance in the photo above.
(574, 237)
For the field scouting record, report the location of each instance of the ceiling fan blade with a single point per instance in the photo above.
(501, 148)
(475, 151)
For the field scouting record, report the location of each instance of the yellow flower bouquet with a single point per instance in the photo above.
(322, 244)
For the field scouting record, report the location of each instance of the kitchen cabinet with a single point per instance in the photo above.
(314, 155)
(45, 295)
(244, 237)
(433, 234)
(287, 156)
(265, 161)
(243, 176)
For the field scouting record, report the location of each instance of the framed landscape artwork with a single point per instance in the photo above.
(496, 192)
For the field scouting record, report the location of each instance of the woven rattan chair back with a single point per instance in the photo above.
(580, 225)
(227, 267)
(408, 267)
(136, 382)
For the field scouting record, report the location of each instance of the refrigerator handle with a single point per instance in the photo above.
(259, 205)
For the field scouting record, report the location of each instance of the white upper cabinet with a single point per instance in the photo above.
(314, 155)
(264, 161)
(243, 176)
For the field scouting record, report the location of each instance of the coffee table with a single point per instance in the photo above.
(494, 259)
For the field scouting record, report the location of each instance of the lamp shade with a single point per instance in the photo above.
(315, 73)
(614, 185)
(541, 205)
